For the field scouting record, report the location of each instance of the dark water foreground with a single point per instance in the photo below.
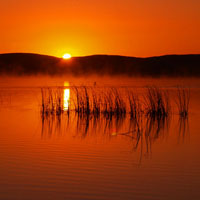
(87, 157)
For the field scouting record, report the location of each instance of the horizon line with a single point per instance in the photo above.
(175, 54)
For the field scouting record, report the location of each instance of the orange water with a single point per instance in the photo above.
(72, 158)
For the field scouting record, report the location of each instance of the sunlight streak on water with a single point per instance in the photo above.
(66, 96)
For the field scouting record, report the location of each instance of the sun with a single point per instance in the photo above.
(67, 56)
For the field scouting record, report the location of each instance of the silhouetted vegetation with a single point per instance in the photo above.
(135, 106)
(111, 102)
(114, 112)
(183, 100)
(52, 101)
(156, 103)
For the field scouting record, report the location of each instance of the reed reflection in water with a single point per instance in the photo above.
(109, 113)
(140, 133)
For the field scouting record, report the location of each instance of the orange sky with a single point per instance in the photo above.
(83, 27)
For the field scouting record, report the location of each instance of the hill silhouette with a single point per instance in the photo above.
(33, 64)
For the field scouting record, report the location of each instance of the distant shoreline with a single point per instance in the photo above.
(187, 65)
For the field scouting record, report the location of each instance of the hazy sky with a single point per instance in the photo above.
(84, 27)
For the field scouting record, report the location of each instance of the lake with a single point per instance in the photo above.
(71, 156)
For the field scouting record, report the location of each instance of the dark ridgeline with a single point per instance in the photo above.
(28, 64)
(169, 65)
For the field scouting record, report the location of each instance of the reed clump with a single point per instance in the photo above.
(52, 101)
(96, 103)
(182, 101)
(157, 102)
(109, 102)
(88, 101)
(134, 104)
(82, 100)
(119, 103)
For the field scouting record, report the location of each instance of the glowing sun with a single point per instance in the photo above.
(67, 56)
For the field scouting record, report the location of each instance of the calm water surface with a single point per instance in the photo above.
(68, 157)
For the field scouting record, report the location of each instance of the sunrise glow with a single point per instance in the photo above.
(130, 28)
(67, 56)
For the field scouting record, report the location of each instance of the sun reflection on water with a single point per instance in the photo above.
(66, 96)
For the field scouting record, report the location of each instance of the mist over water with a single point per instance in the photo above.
(81, 156)
(20, 64)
